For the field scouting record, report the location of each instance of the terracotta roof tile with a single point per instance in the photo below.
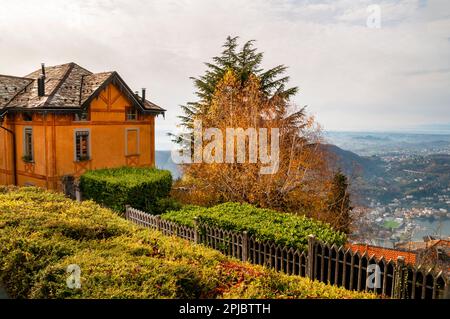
(382, 252)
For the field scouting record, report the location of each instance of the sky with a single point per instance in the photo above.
(390, 73)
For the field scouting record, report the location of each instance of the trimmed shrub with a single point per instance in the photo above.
(42, 233)
(265, 224)
(167, 204)
(114, 188)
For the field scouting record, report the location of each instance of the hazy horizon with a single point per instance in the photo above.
(351, 76)
(410, 131)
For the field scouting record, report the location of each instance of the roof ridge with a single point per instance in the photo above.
(60, 83)
(16, 77)
(81, 89)
(18, 92)
(76, 64)
(101, 73)
(99, 88)
(59, 66)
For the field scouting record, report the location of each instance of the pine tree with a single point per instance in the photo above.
(243, 63)
(301, 181)
(339, 203)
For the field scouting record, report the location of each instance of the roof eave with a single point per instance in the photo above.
(63, 109)
(155, 112)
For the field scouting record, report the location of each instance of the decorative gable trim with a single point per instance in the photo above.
(115, 79)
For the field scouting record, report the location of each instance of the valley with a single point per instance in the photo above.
(400, 182)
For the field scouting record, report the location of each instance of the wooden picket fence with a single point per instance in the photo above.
(334, 265)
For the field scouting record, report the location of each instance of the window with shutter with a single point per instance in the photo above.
(28, 155)
(82, 146)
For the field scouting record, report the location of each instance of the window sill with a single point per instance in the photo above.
(82, 161)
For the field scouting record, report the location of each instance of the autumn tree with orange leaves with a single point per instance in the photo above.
(303, 180)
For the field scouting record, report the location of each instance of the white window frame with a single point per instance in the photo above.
(138, 141)
(25, 142)
(136, 113)
(75, 131)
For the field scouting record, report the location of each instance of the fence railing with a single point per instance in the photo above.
(334, 265)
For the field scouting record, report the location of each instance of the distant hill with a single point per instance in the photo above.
(388, 143)
(372, 178)
(372, 138)
(348, 162)
(351, 163)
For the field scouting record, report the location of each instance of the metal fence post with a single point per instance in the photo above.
(196, 231)
(244, 245)
(310, 257)
(399, 280)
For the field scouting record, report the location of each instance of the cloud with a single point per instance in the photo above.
(351, 76)
(428, 72)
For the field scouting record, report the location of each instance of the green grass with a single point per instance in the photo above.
(265, 224)
(391, 224)
(43, 232)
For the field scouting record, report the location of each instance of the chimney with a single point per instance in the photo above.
(41, 85)
(43, 69)
(143, 95)
(41, 81)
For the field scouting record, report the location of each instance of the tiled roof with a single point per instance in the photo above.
(91, 82)
(421, 245)
(10, 86)
(66, 86)
(382, 252)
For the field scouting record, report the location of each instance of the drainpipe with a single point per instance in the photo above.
(13, 136)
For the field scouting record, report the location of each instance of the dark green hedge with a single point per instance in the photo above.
(265, 224)
(141, 188)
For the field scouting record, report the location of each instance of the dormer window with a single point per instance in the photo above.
(27, 117)
(131, 114)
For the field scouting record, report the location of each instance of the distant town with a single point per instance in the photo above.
(401, 185)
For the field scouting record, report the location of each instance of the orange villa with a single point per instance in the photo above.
(64, 120)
